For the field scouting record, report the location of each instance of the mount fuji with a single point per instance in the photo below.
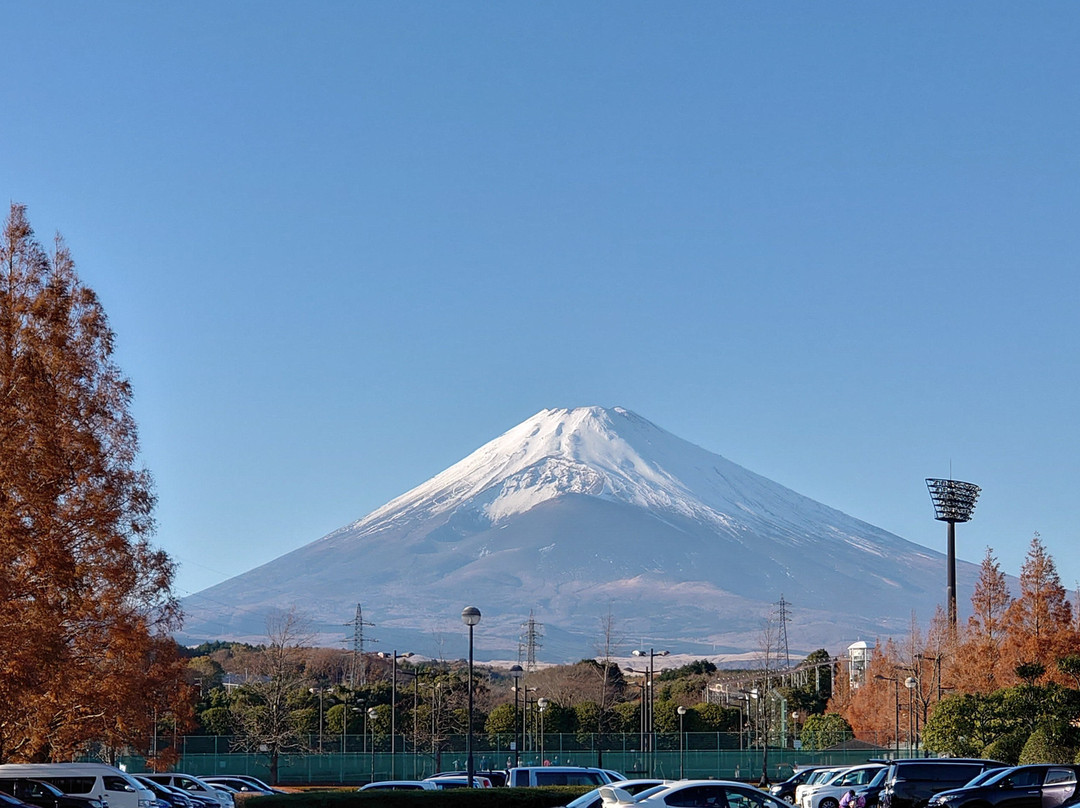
(577, 514)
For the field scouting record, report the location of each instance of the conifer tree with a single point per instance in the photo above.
(1039, 623)
(980, 645)
(85, 600)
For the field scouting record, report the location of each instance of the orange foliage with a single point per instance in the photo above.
(85, 600)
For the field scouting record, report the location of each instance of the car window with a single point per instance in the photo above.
(1022, 778)
(74, 785)
(1057, 777)
(113, 783)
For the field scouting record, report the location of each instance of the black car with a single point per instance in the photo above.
(44, 795)
(164, 794)
(786, 790)
(1038, 785)
(871, 792)
(910, 783)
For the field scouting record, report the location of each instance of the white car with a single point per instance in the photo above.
(707, 793)
(592, 799)
(458, 781)
(820, 777)
(828, 794)
(399, 785)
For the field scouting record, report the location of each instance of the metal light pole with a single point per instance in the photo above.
(651, 711)
(372, 713)
(395, 656)
(910, 683)
(896, 688)
(682, 743)
(516, 671)
(954, 501)
(470, 616)
(541, 705)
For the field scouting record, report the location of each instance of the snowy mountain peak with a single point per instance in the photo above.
(611, 454)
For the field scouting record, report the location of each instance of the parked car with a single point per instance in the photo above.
(828, 794)
(1039, 785)
(497, 778)
(910, 783)
(871, 792)
(8, 801)
(399, 785)
(786, 789)
(592, 799)
(165, 796)
(459, 781)
(718, 793)
(525, 776)
(44, 795)
(816, 779)
(240, 784)
(255, 781)
(192, 785)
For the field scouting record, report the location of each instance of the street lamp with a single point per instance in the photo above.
(470, 616)
(650, 720)
(682, 743)
(542, 704)
(516, 671)
(395, 656)
(896, 691)
(911, 683)
(954, 501)
(372, 713)
(320, 691)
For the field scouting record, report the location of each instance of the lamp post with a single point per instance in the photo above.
(644, 685)
(516, 671)
(372, 713)
(896, 691)
(541, 705)
(650, 716)
(682, 743)
(911, 683)
(954, 501)
(395, 656)
(470, 616)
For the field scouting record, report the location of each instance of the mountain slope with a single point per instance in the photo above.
(573, 513)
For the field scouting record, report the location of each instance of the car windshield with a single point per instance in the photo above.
(990, 777)
(879, 777)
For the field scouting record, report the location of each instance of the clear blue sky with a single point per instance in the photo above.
(344, 244)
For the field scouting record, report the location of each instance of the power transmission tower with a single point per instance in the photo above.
(532, 634)
(358, 665)
(783, 619)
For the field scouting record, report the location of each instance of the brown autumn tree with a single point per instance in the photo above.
(85, 600)
(1039, 623)
(979, 650)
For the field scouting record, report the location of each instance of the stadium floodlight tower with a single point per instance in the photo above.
(954, 502)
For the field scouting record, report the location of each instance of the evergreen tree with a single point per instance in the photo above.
(1039, 622)
(85, 600)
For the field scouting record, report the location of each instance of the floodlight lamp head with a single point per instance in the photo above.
(954, 501)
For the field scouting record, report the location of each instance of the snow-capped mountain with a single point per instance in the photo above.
(575, 514)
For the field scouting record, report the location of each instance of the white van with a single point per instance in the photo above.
(106, 783)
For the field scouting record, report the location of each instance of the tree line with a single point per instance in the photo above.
(1005, 685)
